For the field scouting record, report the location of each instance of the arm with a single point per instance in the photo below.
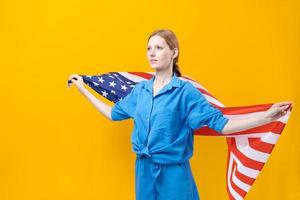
(98, 104)
(276, 111)
(235, 125)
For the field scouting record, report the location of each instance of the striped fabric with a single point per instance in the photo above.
(248, 150)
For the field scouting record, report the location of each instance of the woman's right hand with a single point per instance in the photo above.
(78, 83)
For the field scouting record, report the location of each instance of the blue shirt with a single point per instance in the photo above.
(164, 125)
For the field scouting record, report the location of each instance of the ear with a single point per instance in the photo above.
(175, 54)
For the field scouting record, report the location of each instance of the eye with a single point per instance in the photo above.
(159, 47)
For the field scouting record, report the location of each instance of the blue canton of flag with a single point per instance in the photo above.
(113, 86)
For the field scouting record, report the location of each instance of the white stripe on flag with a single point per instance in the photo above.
(270, 138)
(252, 173)
(133, 77)
(232, 191)
(240, 183)
(243, 146)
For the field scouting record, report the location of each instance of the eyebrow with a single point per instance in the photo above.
(155, 45)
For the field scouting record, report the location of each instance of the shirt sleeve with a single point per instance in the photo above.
(201, 112)
(124, 109)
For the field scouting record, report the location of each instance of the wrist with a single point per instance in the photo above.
(264, 119)
(82, 89)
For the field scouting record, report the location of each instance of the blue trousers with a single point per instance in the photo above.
(156, 181)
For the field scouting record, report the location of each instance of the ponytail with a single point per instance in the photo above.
(176, 68)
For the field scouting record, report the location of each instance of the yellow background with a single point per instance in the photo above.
(55, 145)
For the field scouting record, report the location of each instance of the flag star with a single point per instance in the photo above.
(95, 84)
(128, 82)
(101, 79)
(104, 93)
(89, 77)
(112, 84)
(114, 92)
(111, 76)
(123, 87)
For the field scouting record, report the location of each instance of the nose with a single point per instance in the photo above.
(151, 53)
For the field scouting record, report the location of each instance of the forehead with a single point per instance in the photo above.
(157, 40)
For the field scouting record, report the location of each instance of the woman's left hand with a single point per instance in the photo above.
(277, 110)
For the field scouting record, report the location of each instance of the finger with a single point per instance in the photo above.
(71, 76)
(288, 107)
(69, 83)
(283, 103)
(280, 104)
(74, 76)
(70, 80)
(290, 103)
(280, 114)
(285, 108)
(283, 113)
(282, 108)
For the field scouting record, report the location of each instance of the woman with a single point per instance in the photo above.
(166, 110)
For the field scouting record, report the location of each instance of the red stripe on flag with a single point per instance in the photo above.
(230, 177)
(142, 74)
(246, 179)
(248, 162)
(234, 186)
(246, 109)
(259, 145)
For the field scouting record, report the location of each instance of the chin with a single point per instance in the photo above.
(155, 66)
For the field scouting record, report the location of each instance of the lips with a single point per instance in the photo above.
(153, 60)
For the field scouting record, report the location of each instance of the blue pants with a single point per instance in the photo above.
(156, 181)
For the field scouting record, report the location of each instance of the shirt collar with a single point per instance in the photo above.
(175, 82)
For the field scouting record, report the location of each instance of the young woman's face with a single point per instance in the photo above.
(158, 52)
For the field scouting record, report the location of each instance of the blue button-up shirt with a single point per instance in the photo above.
(164, 124)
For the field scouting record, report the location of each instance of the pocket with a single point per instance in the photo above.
(167, 122)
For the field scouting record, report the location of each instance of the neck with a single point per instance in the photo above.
(162, 77)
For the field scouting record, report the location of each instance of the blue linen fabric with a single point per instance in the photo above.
(156, 181)
(163, 136)
(164, 124)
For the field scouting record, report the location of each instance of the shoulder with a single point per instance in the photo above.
(190, 91)
(139, 85)
(189, 87)
(136, 88)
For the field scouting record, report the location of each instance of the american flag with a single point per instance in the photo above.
(248, 150)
